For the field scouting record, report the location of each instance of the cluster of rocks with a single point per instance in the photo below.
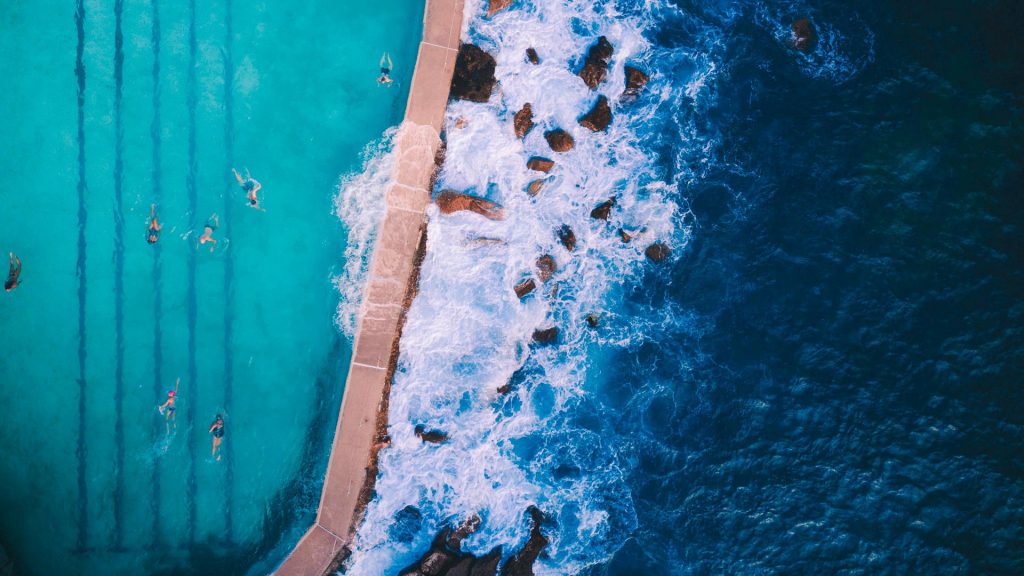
(446, 558)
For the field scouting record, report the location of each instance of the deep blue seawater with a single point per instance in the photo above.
(845, 393)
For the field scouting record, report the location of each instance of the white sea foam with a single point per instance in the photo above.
(467, 334)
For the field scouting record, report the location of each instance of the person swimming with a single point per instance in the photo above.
(168, 409)
(153, 231)
(385, 70)
(217, 429)
(251, 187)
(13, 273)
(207, 236)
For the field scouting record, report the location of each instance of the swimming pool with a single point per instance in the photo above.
(110, 106)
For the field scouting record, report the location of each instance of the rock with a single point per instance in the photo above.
(567, 237)
(449, 201)
(603, 209)
(521, 564)
(559, 140)
(635, 81)
(487, 565)
(524, 288)
(534, 187)
(473, 79)
(540, 164)
(462, 567)
(505, 388)
(803, 38)
(468, 527)
(434, 564)
(432, 436)
(497, 6)
(546, 267)
(531, 55)
(599, 117)
(523, 121)
(657, 251)
(460, 123)
(626, 236)
(595, 67)
(593, 320)
(545, 336)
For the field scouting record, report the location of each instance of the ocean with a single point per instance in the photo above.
(821, 377)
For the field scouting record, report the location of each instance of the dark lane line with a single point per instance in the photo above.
(158, 423)
(229, 266)
(118, 278)
(83, 495)
(190, 185)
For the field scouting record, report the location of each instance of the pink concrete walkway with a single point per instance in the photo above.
(399, 237)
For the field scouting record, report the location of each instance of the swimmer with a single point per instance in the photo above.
(385, 70)
(153, 232)
(251, 187)
(13, 272)
(167, 408)
(217, 429)
(207, 236)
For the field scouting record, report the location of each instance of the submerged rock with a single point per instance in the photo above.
(546, 267)
(636, 79)
(593, 320)
(449, 201)
(804, 38)
(534, 187)
(531, 56)
(524, 288)
(494, 6)
(595, 67)
(473, 79)
(603, 209)
(626, 236)
(521, 564)
(540, 164)
(657, 251)
(545, 336)
(559, 140)
(567, 237)
(523, 121)
(505, 388)
(599, 117)
(432, 436)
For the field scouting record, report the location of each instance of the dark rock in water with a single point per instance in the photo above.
(567, 237)
(599, 117)
(657, 251)
(546, 267)
(540, 164)
(523, 120)
(534, 187)
(531, 55)
(525, 287)
(487, 565)
(468, 527)
(545, 336)
(803, 38)
(497, 6)
(521, 564)
(635, 81)
(445, 551)
(593, 320)
(462, 567)
(559, 140)
(505, 388)
(432, 436)
(626, 236)
(595, 67)
(449, 201)
(603, 209)
(474, 74)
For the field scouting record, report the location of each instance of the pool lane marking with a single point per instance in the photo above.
(80, 453)
(229, 268)
(118, 277)
(190, 185)
(159, 427)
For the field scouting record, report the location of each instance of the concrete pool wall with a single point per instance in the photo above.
(362, 421)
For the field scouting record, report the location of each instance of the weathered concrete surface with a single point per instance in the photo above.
(353, 453)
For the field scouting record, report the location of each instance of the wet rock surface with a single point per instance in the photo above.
(559, 140)
(522, 122)
(599, 117)
(657, 251)
(595, 67)
(603, 209)
(450, 201)
(593, 320)
(432, 436)
(546, 335)
(540, 164)
(494, 6)
(546, 267)
(567, 237)
(534, 187)
(524, 287)
(532, 57)
(803, 37)
(636, 79)
(473, 79)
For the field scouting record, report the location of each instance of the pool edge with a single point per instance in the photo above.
(362, 421)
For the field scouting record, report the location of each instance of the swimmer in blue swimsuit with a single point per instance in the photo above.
(13, 272)
(217, 429)
(167, 408)
(251, 187)
(385, 70)
(153, 232)
(207, 236)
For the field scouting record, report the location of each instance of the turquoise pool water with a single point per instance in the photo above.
(109, 106)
